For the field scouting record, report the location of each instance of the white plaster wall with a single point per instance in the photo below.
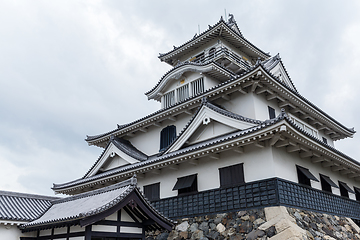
(210, 130)
(285, 166)
(60, 230)
(112, 217)
(46, 232)
(12, 232)
(125, 217)
(130, 229)
(76, 229)
(242, 104)
(77, 238)
(103, 228)
(149, 142)
(210, 82)
(208, 170)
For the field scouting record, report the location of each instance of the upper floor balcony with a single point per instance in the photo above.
(223, 56)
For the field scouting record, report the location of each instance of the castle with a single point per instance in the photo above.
(232, 133)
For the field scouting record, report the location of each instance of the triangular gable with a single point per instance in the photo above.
(279, 71)
(205, 116)
(111, 158)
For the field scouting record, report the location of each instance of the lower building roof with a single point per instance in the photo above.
(23, 207)
(83, 208)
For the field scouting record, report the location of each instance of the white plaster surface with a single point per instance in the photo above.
(125, 217)
(103, 228)
(130, 230)
(12, 232)
(60, 230)
(112, 217)
(76, 229)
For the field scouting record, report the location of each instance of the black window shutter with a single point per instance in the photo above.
(271, 112)
(232, 175)
(167, 135)
(152, 191)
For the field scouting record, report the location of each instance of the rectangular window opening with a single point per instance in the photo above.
(345, 189)
(152, 191)
(304, 176)
(232, 175)
(186, 185)
(327, 183)
(271, 112)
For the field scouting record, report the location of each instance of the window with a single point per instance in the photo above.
(200, 58)
(304, 176)
(324, 140)
(167, 135)
(212, 53)
(186, 184)
(357, 193)
(182, 93)
(152, 191)
(169, 99)
(345, 189)
(231, 175)
(197, 86)
(327, 183)
(271, 112)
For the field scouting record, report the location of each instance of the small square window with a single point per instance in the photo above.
(327, 183)
(187, 184)
(304, 176)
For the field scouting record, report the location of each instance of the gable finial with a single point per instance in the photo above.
(258, 61)
(231, 19)
(204, 100)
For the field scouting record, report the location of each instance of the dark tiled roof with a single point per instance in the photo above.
(21, 206)
(126, 147)
(89, 203)
(221, 21)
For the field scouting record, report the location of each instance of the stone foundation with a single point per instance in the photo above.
(273, 223)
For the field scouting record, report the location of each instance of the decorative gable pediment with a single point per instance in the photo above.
(209, 122)
(111, 158)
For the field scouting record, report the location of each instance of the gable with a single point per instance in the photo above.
(197, 130)
(111, 158)
(280, 72)
(208, 131)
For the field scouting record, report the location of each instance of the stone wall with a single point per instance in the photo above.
(273, 223)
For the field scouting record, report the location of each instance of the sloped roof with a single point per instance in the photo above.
(195, 41)
(217, 109)
(201, 145)
(88, 204)
(23, 207)
(124, 146)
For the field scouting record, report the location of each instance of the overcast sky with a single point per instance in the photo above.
(74, 68)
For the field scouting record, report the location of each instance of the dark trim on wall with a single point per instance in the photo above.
(258, 194)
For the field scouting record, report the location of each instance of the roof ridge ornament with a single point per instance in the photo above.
(258, 61)
(231, 19)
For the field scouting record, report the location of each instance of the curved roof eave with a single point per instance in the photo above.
(350, 131)
(198, 38)
(182, 68)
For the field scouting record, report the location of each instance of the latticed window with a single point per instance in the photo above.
(197, 86)
(169, 99)
(232, 175)
(182, 93)
(152, 191)
(212, 53)
(167, 135)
